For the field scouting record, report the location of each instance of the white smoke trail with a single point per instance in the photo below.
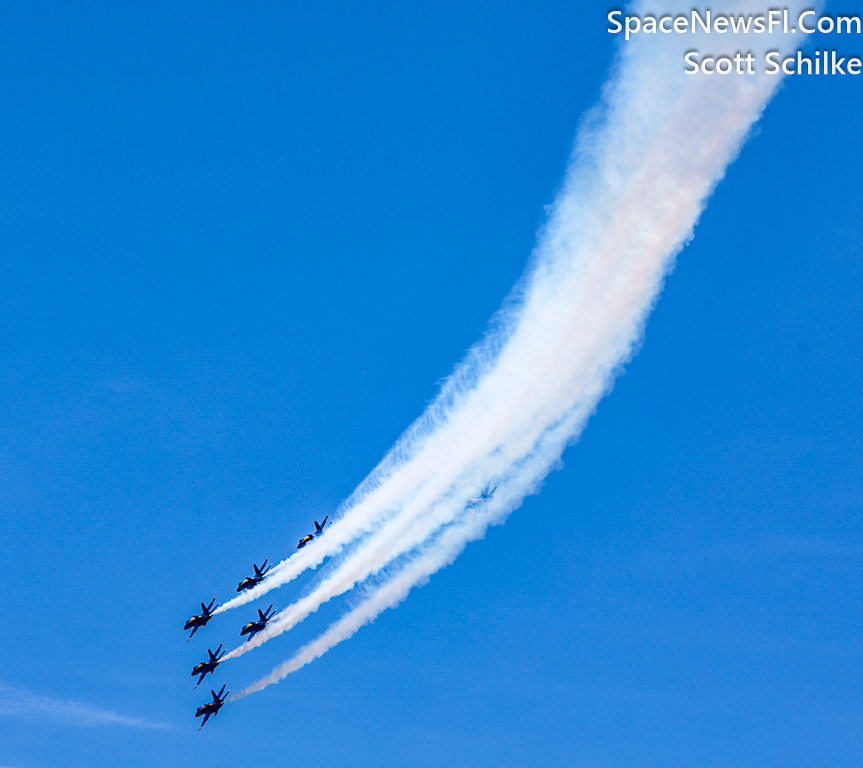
(644, 166)
(387, 595)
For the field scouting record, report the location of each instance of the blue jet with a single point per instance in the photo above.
(253, 581)
(207, 667)
(201, 621)
(319, 529)
(484, 496)
(212, 707)
(253, 627)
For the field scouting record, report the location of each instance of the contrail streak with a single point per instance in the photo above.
(17, 703)
(645, 162)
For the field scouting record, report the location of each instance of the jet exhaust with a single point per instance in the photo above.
(646, 160)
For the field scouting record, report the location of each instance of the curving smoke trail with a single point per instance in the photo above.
(646, 160)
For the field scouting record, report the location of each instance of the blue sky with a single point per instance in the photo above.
(238, 250)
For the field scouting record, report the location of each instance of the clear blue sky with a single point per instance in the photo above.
(239, 247)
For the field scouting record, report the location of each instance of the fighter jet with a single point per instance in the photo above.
(212, 707)
(319, 529)
(484, 496)
(208, 666)
(253, 627)
(201, 621)
(253, 581)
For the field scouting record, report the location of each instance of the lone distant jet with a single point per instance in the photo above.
(201, 621)
(253, 627)
(212, 707)
(319, 529)
(206, 667)
(253, 581)
(484, 496)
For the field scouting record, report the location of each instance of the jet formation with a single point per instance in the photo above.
(208, 666)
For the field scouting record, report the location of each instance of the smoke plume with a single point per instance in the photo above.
(646, 160)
